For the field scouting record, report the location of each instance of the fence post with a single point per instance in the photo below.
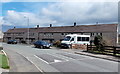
(114, 52)
(91, 47)
(87, 47)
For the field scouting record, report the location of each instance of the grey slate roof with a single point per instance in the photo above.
(78, 28)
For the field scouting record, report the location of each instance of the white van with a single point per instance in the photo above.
(76, 39)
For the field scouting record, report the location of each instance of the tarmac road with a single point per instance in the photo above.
(24, 58)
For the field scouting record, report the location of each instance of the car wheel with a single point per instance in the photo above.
(36, 46)
(41, 47)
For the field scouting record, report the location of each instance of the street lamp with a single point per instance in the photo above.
(28, 28)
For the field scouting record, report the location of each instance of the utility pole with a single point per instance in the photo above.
(28, 31)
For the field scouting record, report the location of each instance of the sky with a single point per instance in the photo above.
(58, 13)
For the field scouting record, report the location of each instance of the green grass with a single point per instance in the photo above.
(3, 62)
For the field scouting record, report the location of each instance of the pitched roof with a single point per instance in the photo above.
(78, 28)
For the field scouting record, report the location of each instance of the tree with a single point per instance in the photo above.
(99, 43)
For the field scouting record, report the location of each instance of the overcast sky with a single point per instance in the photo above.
(58, 13)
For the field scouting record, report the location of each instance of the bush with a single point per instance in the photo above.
(99, 43)
(57, 43)
(1, 48)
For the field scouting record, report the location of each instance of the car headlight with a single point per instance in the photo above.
(48, 45)
(44, 45)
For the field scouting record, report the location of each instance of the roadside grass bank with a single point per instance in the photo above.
(3, 60)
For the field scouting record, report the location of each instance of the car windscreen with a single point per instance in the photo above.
(67, 38)
(44, 43)
(38, 42)
(41, 42)
(11, 40)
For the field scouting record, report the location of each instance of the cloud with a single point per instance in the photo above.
(82, 13)
(65, 13)
(24, 18)
(1, 20)
(59, 0)
(4, 1)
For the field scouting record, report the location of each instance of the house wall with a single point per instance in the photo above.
(109, 36)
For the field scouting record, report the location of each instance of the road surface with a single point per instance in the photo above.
(24, 58)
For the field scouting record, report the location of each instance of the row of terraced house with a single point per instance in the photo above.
(109, 32)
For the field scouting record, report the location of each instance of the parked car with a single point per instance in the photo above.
(64, 45)
(24, 42)
(12, 42)
(42, 44)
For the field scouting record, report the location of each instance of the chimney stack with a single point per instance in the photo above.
(96, 23)
(50, 25)
(74, 23)
(37, 26)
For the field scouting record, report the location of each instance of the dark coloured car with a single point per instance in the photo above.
(63, 45)
(42, 44)
(12, 42)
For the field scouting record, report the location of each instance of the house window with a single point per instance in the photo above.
(96, 33)
(31, 34)
(62, 33)
(101, 34)
(44, 33)
(91, 34)
(81, 33)
(8, 33)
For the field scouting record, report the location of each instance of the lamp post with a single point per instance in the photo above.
(27, 29)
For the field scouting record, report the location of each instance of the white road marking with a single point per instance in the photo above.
(76, 55)
(41, 59)
(58, 57)
(34, 65)
(56, 60)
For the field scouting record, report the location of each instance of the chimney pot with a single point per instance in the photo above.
(96, 22)
(74, 23)
(37, 26)
(50, 25)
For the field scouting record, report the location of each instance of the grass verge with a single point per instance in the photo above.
(4, 62)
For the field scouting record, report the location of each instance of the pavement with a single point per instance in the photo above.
(3, 70)
(29, 59)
